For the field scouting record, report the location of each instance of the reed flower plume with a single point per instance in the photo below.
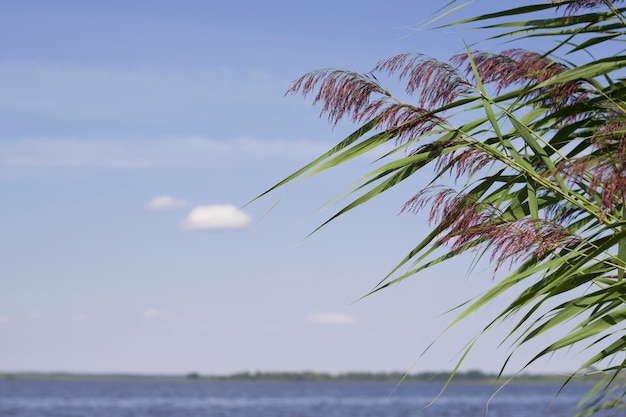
(604, 169)
(360, 97)
(462, 163)
(521, 67)
(464, 222)
(437, 83)
(513, 241)
(572, 7)
(342, 93)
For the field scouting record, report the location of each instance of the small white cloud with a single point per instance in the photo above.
(331, 318)
(165, 202)
(4, 319)
(216, 217)
(35, 314)
(151, 314)
(80, 317)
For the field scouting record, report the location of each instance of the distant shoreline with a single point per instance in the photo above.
(475, 377)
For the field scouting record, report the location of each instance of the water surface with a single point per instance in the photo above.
(199, 399)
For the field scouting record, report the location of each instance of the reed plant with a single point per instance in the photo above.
(536, 142)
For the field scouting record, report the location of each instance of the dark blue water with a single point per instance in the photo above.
(137, 399)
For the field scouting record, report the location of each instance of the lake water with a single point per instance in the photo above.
(195, 399)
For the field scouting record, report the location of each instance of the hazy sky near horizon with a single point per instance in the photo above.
(131, 133)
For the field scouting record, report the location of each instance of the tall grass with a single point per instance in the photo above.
(537, 140)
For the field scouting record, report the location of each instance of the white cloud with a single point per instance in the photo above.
(151, 314)
(216, 217)
(331, 318)
(4, 319)
(35, 314)
(165, 202)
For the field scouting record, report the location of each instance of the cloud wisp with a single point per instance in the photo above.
(165, 202)
(216, 217)
(150, 314)
(142, 153)
(331, 318)
(80, 317)
(67, 91)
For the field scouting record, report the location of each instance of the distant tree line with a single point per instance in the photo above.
(376, 377)
(471, 376)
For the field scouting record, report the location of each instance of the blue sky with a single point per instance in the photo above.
(129, 127)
